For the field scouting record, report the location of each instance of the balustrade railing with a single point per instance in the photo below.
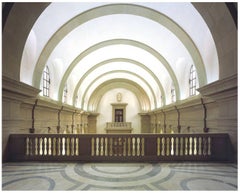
(119, 124)
(119, 147)
(118, 127)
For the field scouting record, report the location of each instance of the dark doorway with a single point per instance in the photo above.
(118, 115)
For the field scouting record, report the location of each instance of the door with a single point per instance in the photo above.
(118, 115)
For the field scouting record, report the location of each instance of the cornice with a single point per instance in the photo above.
(19, 91)
(221, 89)
(119, 104)
(93, 114)
(190, 102)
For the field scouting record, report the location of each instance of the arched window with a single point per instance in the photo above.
(192, 81)
(161, 100)
(65, 91)
(76, 100)
(173, 93)
(46, 81)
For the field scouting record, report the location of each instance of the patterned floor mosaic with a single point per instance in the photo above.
(119, 176)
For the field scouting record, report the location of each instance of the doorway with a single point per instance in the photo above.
(119, 115)
(119, 112)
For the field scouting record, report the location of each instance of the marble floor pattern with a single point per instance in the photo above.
(118, 176)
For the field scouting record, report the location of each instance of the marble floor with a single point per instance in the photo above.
(119, 176)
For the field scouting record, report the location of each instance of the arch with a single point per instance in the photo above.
(123, 9)
(115, 42)
(121, 71)
(119, 83)
(24, 15)
(118, 60)
(223, 30)
(20, 11)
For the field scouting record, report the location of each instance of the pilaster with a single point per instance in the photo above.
(145, 122)
(92, 122)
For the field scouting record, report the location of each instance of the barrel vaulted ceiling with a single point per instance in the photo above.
(146, 48)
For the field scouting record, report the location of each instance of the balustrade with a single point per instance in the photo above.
(184, 146)
(119, 127)
(119, 147)
(52, 146)
(119, 124)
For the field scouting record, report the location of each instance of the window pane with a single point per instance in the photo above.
(46, 81)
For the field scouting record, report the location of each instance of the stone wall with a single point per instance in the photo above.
(184, 117)
(225, 93)
(23, 111)
(214, 110)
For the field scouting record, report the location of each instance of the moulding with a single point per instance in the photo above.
(43, 103)
(93, 114)
(119, 104)
(187, 103)
(12, 89)
(143, 114)
(221, 89)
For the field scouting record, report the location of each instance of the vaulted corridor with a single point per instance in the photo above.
(119, 82)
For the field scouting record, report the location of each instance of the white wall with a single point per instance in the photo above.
(105, 109)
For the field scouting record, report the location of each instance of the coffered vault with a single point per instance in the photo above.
(142, 47)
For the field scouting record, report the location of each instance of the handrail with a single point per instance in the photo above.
(120, 147)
